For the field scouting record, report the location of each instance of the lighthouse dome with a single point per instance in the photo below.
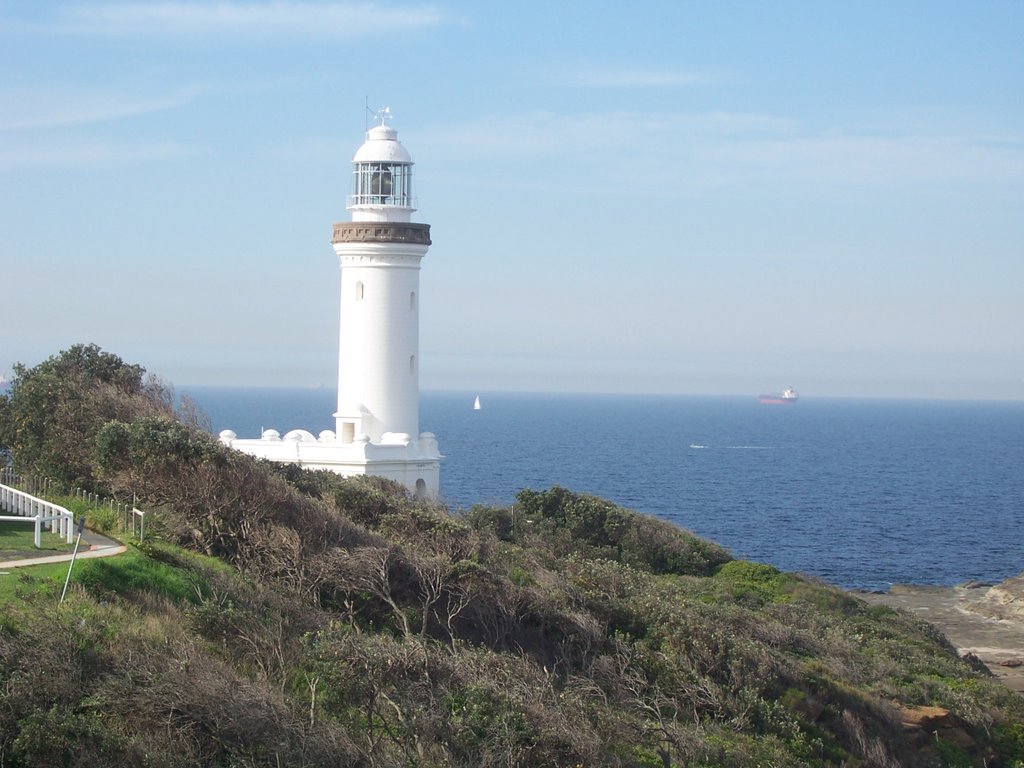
(382, 146)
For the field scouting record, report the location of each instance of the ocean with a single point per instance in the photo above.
(860, 493)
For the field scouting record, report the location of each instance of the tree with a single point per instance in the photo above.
(50, 418)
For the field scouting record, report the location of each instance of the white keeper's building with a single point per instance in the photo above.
(377, 423)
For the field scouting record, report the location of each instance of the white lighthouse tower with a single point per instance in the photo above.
(380, 250)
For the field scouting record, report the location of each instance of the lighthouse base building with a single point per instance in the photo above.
(416, 464)
(377, 422)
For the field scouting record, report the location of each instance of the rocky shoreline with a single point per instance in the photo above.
(981, 620)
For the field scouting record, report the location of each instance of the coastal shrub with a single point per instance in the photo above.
(763, 583)
(119, 683)
(97, 518)
(662, 547)
(368, 499)
(617, 595)
(953, 755)
(1008, 740)
(317, 483)
(297, 618)
(499, 521)
(63, 735)
(104, 519)
(153, 445)
(822, 596)
(597, 528)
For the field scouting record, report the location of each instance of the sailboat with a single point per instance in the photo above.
(476, 403)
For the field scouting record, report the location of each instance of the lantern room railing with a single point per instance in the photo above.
(394, 201)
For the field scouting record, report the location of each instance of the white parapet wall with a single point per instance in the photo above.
(416, 464)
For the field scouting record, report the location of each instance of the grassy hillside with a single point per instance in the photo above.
(284, 617)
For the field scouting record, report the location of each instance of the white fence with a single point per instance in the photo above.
(28, 508)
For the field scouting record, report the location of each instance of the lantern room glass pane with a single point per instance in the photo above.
(382, 184)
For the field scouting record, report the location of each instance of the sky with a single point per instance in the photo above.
(721, 198)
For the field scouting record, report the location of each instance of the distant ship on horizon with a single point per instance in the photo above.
(788, 395)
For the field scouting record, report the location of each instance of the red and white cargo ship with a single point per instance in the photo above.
(788, 395)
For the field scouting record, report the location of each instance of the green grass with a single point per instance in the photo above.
(17, 540)
(16, 582)
(133, 571)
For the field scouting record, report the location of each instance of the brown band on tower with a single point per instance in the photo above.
(381, 232)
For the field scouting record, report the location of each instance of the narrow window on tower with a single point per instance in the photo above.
(412, 300)
(359, 291)
(412, 363)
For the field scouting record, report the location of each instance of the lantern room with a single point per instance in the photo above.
(382, 178)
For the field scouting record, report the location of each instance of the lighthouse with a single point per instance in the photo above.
(376, 426)
(380, 252)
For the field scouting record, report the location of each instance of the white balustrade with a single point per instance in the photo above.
(30, 508)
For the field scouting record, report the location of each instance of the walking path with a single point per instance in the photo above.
(93, 545)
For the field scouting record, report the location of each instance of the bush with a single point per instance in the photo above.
(498, 521)
(63, 736)
(754, 580)
(346, 623)
(598, 528)
(368, 500)
(1009, 743)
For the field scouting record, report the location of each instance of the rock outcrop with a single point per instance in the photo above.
(931, 728)
(984, 623)
(1004, 601)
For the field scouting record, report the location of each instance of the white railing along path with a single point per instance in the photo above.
(27, 507)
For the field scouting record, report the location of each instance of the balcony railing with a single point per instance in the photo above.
(391, 201)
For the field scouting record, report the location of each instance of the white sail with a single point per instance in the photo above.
(476, 403)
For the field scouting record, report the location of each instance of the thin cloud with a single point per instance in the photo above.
(85, 155)
(604, 77)
(868, 160)
(729, 149)
(547, 132)
(226, 20)
(56, 107)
